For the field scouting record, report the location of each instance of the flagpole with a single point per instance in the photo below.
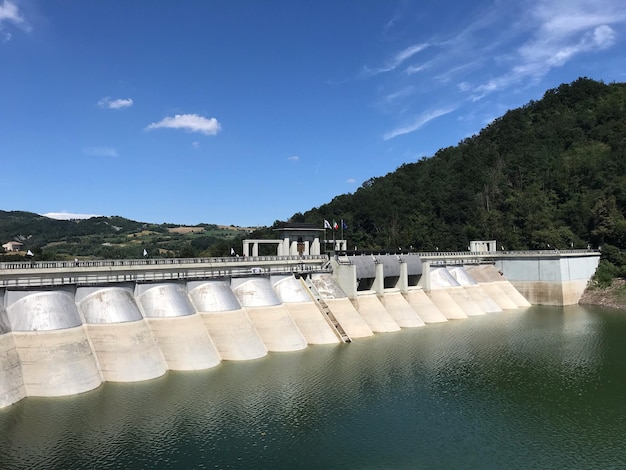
(342, 230)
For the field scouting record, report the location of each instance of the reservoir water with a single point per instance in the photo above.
(535, 388)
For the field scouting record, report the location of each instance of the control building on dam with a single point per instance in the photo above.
(67, 327)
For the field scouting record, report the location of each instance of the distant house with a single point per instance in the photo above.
(13, 246)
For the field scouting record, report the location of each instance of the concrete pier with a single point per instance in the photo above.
(400, 310)
(341, 307)
(269, 316)
(11, 379)
(496, 276)
(441, 278)
(374, 313)
(475, 291)
(50, 341)
(228, 325)
(424, 306)
(121, 337)
(179, 332)
(491, 288)
(303, 310)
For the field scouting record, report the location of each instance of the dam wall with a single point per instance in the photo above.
(551, 280)
(67, 329)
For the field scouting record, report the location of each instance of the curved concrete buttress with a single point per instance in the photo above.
(107, 305)
(12, 387)
(440, 295)
(374, 313)
(121, 338)
(494, 275)
(492, 289)
(474, 289)
(163, 300)
(424, 306)
(41, 310)
(341, 306)
(179, 332)
(54, 352)
(460, 295)
(304, 310)
(227, 323)
(400, 310)
(269, 316)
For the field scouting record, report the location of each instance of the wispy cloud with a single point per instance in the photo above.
(294, 158)
(399, 94)
(100, 151)
(119, 103)
(11, 15)
(396, 60)
(189, 123)
(350, 181)
(556, 32)
(503, 50)
(418, 122)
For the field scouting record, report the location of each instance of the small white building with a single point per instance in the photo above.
(483, 245)
(13, 246)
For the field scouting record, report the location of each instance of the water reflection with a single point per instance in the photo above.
(541, 387)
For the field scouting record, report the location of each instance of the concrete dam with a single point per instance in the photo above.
(65, 328)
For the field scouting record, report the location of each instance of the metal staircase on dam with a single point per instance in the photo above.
(327, 313)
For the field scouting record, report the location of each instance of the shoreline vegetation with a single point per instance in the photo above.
(612, 296)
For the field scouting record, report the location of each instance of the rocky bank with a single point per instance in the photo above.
(613, 296)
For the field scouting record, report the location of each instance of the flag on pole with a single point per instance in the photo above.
(344, 225)
(335, 225)
(327, 224)
(29, 253)
(145, 252)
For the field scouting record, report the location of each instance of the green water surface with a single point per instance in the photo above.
(538, 388)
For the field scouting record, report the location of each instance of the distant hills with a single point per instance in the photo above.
(550, 174)
(113, 237)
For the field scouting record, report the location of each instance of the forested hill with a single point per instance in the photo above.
(551, 173)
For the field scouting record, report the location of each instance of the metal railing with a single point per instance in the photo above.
(122, 263)
(55, 273)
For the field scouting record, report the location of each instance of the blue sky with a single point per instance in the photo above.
(246, 112)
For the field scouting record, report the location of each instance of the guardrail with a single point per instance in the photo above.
(55, 273)
(454, 254)
(123, 263)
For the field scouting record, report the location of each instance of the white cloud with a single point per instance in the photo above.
(418, 123)
(100, 152)
(69, 215)
(10, 14)
(195, 144)
(294, 158)
(115, 104)
(188, 122)
(350, 181)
